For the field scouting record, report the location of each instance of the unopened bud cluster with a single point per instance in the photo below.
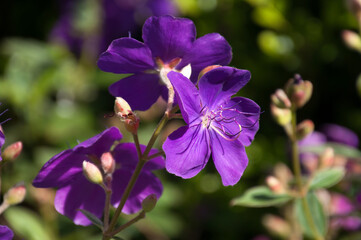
(280, 180)
(124, 112)
(97, 174)
(296, 94)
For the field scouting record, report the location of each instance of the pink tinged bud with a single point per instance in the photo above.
(126, 115)
(275, 185)
(327, 158)
(283, 174)
(15, 195)
(107, 162)
(280, 99)
(207, 69)
(12, 152)
(149, 203)
(281, 116)
(121, 107)
(352, 40)
(92, 172)
(304, 128)
(355, 7)
(277, 226)
(299, 91)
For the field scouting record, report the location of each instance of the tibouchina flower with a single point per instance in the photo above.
(169, 44)
(6, 233)
(64, 171)
(340, 207)
(216, 123)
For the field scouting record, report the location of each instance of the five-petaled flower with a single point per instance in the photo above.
(64, 171)
(169, 44)
(216, 123)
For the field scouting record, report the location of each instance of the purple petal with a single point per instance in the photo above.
(126, 55)
(229, 157)
(100, 143)
(61, 169)
(187, 96)
(187, 151)
(146, 184)
(339, 134)
(126, 155)
(6, 233)
(211, 49)
(80, 194)
(315, 138)
(246, 113)
(219, 84)
(168, 37)
(2, 141)
(139, 90)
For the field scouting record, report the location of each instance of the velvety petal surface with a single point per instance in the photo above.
(63, 167)
(141, 91)
(2, 141)
(187, 95)
(339, 134)
(126, 155)
(218, 85)
(126, 55)
(229, 157)
(80, 194)
(187, 150)
(6, 233)
(246, 113)
(146, 184)
(168, 37)
(211, 49)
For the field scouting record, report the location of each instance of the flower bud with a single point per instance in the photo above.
(275, 185)
(276, 225)
(281, 116)
(280, 99)
(121, 107)
(92, 172)
(149, 203)
(299, 91)
(124, 112)
(107, 162)
(12, 152)
(327, 157)
(283, 174)
(207, 69)
(304, 128)
(355, 7)
(15, 195)
(352, 40)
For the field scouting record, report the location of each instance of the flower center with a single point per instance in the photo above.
(165, 68)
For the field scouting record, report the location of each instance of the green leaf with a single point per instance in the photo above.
(260, 196)
(340, 149)
(94, 219)
(327, 177)
(316, 213)
(27, 223)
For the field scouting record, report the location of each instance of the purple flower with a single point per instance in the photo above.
(6, 233)
(341, 207)
(217, 124)
(64, 171)
(169, 44)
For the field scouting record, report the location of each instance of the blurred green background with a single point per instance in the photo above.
(56, 95)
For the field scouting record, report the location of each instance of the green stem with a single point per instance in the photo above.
(137, 145)
(142, 160)
(3, 207)
(297, 170)
(160, 153)
(108, 193)
(140, 216)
